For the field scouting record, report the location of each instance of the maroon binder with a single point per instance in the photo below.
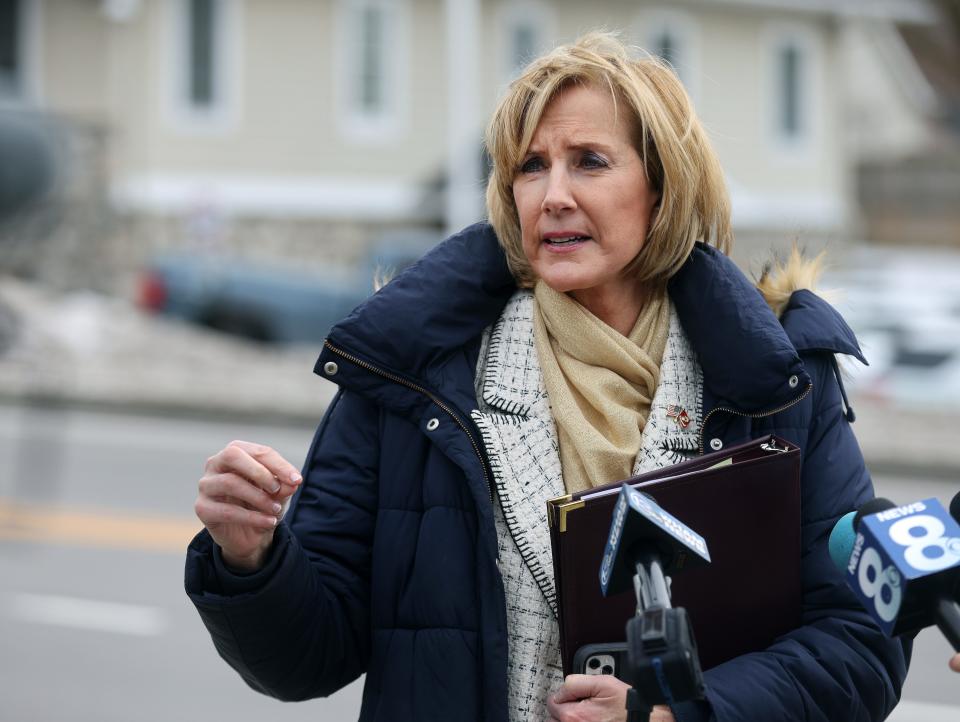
(745, 501)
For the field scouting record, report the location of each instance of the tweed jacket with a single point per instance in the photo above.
(520, 440)
(387, 562)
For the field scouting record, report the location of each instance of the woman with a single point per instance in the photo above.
(416, 549)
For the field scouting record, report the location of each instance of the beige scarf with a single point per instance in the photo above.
(600, 383)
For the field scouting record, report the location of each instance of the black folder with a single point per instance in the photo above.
(745, 501)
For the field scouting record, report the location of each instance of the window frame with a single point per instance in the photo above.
(792, 147)
(223, 114)
(29, 72)
(388, 123)
(683, 26)
(536, 14)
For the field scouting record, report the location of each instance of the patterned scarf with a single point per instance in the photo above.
(600, 383)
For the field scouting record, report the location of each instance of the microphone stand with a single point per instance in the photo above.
(663, 666)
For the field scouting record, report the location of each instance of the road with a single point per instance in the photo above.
(95, 512)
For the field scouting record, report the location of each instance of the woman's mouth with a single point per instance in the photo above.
(565, 240)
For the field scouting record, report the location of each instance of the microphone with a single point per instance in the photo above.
(903, 563)
(874, 506)
(842, 538)
(649, 542)
(645, 543)
(844, 534)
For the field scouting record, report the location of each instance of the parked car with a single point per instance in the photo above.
(270, 303)
(904, 305)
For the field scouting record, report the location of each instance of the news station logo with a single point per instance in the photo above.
(895, 547)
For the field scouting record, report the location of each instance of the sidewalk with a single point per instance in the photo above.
(910, 711)
(89, 350)
(899, 439)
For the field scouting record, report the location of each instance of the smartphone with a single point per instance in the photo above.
(601, 659)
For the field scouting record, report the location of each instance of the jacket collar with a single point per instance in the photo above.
(438, 305)
(748, 360)
(512, 381)
(442, 303)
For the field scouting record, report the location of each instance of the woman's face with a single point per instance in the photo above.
(583, 198)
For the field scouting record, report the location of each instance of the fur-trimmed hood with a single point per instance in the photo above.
(782, 277)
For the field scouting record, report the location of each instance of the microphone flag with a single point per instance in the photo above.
(903, 558)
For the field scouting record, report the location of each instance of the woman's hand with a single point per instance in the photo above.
(240, 497)
(955, 662)
(595, 698)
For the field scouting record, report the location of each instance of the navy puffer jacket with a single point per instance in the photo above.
(386, 563)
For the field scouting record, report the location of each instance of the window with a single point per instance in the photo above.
(790, 69)
(204, 64)
(672, 35)
(664, 45)
(11, 63)
(201, 50)
(523, 45)
(791, 56)
(371, 67)
(526, 29)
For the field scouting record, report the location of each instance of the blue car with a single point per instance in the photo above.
(269, 303)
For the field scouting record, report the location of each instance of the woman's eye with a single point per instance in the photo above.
(592, 160)
(531, 165)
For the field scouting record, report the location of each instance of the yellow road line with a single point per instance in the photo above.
(94, 528)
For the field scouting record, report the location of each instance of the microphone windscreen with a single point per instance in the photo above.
(841, 540)
(871, 507)
(955, 507)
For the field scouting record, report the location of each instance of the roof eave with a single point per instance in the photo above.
(918, 12)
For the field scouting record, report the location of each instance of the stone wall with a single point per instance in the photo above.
(914, 200)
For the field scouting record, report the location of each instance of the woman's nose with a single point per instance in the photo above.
(559, 195)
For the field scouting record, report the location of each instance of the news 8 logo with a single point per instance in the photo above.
(896, 547)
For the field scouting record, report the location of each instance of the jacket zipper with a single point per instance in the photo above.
(432, 397)
(758, 415)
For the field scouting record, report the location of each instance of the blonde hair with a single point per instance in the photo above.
(677, 156)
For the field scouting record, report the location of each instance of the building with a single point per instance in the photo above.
(905, 129)
(302, 127)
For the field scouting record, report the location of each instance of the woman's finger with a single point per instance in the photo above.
(212, 513)
(578, 686)
(553, 708)
(283, 470)
(661, 713)
(236, 460)
(238, 488)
